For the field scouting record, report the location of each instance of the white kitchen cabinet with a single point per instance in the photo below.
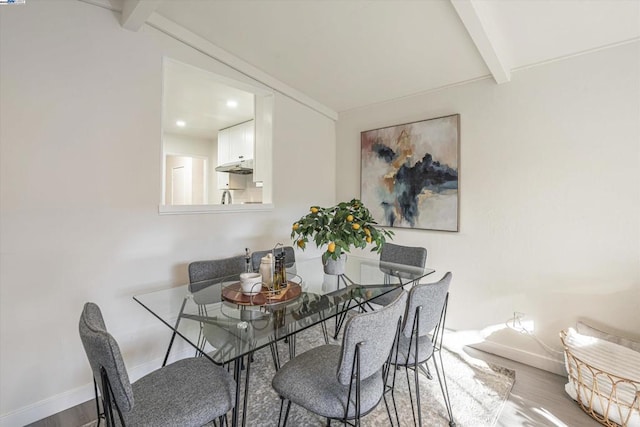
(223, 146)
(234, 143)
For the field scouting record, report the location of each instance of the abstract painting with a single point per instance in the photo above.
(409, 174)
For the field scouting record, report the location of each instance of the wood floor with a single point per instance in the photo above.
(537, 399)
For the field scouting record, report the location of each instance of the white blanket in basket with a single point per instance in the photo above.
(609, 363)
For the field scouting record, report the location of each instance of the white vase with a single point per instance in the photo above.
(335, 266)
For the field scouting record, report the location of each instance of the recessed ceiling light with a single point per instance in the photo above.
(181, 123)
(232, 104)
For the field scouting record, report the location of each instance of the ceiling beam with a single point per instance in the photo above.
(136, 12)
(477, 29)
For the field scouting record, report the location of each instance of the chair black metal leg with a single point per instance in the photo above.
(445, 390)
(395, 406)
(391, 389)
(95, 390)
(425, 370)
(386, 406)
(417, 381)
(166, 356)
(325, 334)
(107, 401)
(413, 411)
(292, 347)
(275, 355)
(392, 362)
(280, 413)
(286, 414)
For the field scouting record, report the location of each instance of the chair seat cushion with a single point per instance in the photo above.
(407, 357)
(387, 298)
(310, 380)
(189, 392)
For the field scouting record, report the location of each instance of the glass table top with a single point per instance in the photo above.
(224, 329)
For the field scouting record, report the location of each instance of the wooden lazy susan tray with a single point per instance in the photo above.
(233, 293)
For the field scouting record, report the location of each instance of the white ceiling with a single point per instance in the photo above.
(348, 54)
(345, 54)
(200, 99)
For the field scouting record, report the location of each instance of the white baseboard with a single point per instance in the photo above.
(532, 359)
(49, 406)
(60, 402)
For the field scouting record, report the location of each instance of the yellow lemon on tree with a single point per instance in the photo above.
(350, 218)
(367, 232)
(368, 239)
(356, 226)
(301, 244)
(295, 226)
(314, 209)
(331, 248)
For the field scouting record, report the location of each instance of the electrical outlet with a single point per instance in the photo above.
(517, 319)
(520, 322)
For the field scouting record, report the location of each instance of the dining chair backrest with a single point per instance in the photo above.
(289, 257)
(408, 255)
(103, 352)
(431, 297)
(375, 331)
(200, 271)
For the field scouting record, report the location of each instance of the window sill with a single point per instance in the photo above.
(214, 209)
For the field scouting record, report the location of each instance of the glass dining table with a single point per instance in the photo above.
(226, 326)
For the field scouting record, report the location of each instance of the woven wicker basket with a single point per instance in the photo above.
(600, 394)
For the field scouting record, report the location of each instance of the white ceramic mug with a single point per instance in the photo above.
(251, 283)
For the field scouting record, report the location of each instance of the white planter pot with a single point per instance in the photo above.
(335, 267)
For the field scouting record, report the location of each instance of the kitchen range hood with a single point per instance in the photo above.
(241, 167)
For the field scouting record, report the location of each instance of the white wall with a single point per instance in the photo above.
(549, 197)
(80, 185)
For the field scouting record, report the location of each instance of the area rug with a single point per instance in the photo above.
(478, 391)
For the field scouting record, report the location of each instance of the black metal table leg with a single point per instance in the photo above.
(173, 335)
(246, 389)
(237, 372)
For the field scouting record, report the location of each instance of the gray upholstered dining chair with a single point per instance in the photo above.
(200, 272)
(344, 382)
(421, 338)
(189, 392)
(415, 256)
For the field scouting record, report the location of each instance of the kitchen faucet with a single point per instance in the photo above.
(226, 193)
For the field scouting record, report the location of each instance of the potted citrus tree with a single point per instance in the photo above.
(341, 227)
